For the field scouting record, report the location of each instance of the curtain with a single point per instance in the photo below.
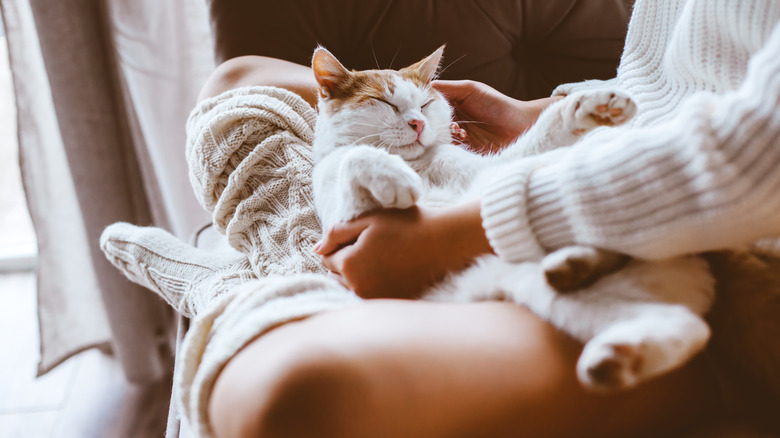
(103, 89)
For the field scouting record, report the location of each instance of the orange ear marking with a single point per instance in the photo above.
(328, 71)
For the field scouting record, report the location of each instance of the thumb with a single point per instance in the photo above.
(342, 234)
(456, 91)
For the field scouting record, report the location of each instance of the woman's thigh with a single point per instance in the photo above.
(416, 369)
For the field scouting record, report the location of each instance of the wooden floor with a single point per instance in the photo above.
(85, 397)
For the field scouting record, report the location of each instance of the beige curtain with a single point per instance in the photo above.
(103, 89)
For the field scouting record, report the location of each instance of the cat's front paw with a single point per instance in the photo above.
(385, 178)
(394, 189)
(589, 109)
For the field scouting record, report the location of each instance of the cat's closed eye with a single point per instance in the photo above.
(426, 104)
(379, 99)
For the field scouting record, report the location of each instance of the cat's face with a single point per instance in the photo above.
(397, 110)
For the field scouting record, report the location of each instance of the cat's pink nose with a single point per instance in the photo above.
(417, 125)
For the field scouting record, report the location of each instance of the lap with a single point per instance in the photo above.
(419, 369)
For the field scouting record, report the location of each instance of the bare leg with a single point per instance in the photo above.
(247, 71)
(418, 369)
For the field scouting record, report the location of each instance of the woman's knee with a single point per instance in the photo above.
(232, 73)
(299, 389)
(251, 70)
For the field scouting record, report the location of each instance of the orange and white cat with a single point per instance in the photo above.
(383, 140)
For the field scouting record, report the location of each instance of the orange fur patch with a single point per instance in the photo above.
(361, 86)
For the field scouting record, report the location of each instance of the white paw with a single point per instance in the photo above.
(589, 109)
(396, 186)
(611, 367)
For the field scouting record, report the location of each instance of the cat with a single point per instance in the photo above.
(383, 139)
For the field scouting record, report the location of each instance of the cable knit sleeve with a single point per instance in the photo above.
(705, 180)
(651, 26)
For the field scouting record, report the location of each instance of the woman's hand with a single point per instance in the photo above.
(398, 253)
(491, 119)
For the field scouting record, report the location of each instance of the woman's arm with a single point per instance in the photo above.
(706, 180)
(397, 253)
(491, 119)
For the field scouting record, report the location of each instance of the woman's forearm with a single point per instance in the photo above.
(706, 180)
(398, 253)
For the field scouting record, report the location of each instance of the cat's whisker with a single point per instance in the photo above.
(365, 137)
(384, 142)
(443, 69)
(371, 125)
(373, 52)
(469, 121)
(396, 54)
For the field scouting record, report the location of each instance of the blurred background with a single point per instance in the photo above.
(87, 395)
(86, 353)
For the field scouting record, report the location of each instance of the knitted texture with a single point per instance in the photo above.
(187, 278)
(249, 154)
(696, 168)
(507, 227)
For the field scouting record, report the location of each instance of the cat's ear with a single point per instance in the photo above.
(428, 67)
(328, 71)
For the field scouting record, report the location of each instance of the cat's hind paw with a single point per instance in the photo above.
(642, 347)
(577, 267)
(611, 367)
(590, 109)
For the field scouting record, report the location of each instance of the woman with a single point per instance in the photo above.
(508, 373)
(391, 368)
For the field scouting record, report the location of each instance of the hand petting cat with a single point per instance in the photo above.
(491, 119)
(399, 253)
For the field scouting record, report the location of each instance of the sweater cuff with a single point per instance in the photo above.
(505, 218)
(545, 205)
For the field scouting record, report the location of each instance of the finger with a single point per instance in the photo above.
(327, 261)
(454, 91)
(335, 260)
(342, 234)
(342, 281)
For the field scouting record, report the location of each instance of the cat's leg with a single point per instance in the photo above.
(639, 322)
(642, 321)
(565, 121)
(369, 178)
(656, 339)
(587, 110)
(576, 267)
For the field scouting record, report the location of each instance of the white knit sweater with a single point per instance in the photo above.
(699, 166)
